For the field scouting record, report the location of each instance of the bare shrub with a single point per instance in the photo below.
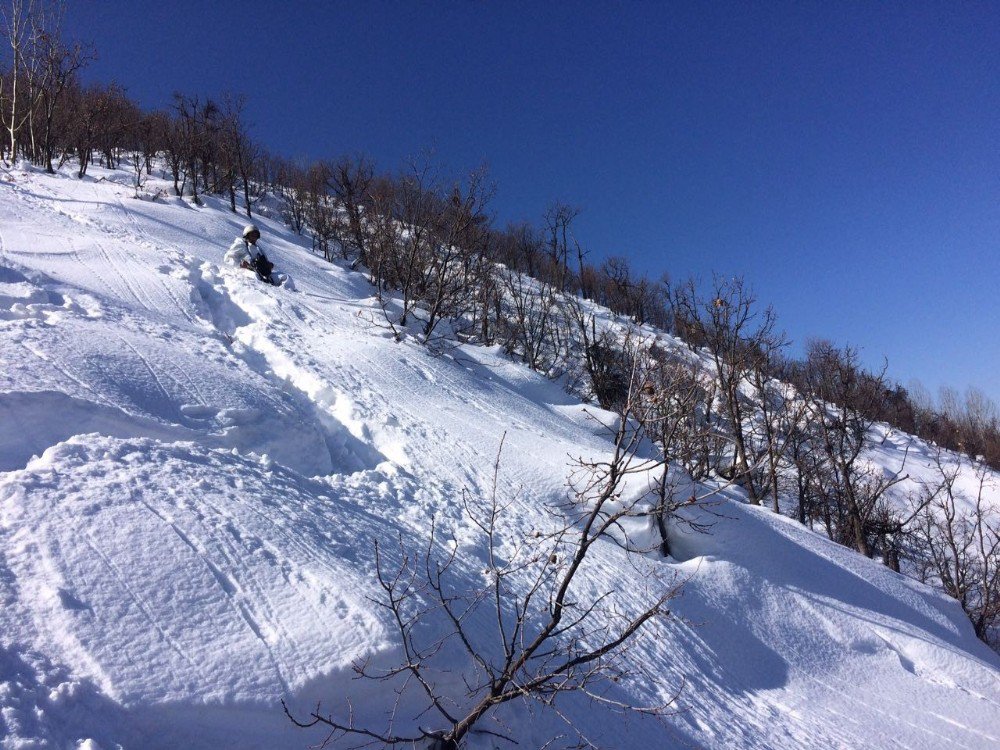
(551, 634)
(959, 545)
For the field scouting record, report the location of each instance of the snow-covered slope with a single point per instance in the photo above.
(195, 466)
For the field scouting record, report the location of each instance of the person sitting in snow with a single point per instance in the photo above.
(245, 253)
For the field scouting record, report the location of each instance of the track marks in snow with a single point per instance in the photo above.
(110, 257)
(248, 336)
(106, 255)
(151, 616)
(229, 586)
(131, 375)
(258, 593)
(47, 705)
(76, 416)
(36, 298)
(216, 307)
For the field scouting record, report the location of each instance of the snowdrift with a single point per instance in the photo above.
(193, 468)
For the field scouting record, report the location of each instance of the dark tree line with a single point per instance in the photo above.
(532, 290)
(50, 117)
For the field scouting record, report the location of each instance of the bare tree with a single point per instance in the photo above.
(92, 112)
(403, 218)
(533, 317)
(841, 401)
(147, 138)
(175, 148)
(236, 154)
(739, 339)
(807, 467)
(60, 63)
(551, 634)
(481, 276)
(974, 421)
(959, 544)
(292, 184)
(198, 125)
(350, 182)
(458, 239)
(558, 222)
(618, 284)
(672, 392)
(607, 357)
(244, 153)
(140, 135)
(322, 213)
(17, 30)
(779, 410)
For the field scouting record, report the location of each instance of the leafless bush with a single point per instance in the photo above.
(549, 634)
(959, 545)
(350, 181)
(292, 183)
(740, 340)
(529, 330)
(853, 491)
(672, 415)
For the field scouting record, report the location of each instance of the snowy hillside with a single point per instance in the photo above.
(194, 466)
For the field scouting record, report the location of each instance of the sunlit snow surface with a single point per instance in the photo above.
(194, 466)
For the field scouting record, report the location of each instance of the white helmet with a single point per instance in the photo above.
(250, 229)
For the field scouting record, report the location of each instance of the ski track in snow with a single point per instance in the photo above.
(193, 468)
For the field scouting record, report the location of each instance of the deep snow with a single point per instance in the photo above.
(193, 467)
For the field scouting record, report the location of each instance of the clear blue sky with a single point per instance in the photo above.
(842, 156)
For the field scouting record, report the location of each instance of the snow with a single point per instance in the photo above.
(194, 466)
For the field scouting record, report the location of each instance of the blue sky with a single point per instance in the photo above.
(843, 157)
